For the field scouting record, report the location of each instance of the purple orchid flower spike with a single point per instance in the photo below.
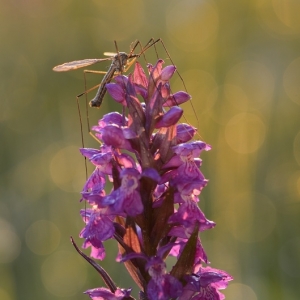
(144, 193)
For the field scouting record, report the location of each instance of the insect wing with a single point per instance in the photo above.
(74, 65)
(111, 54)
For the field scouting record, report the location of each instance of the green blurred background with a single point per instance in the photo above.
(240, 61)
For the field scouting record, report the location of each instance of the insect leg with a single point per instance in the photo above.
(153, 42)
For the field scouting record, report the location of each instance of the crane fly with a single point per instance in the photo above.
(120, 62)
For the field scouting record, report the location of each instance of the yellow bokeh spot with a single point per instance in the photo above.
(235, 95)
(245, 133)
(255, 80)
(280, 18)
(10, 244)
(287, 12)
(29, 178)
(63, 273)
(67, 169)
(230, 99)
(42, 237)
(192, 25)
(248, 222)
(4, 295)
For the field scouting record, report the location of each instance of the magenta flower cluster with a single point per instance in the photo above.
(152, 209)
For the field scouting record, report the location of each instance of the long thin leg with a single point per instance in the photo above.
(153, 43)
(121, 71)
(135, 44)
(82, 135)
(85, 93)
(94, 72)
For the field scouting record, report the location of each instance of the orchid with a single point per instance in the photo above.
(152, 209)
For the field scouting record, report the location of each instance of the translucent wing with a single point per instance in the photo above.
(74, 65)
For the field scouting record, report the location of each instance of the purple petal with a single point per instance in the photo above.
(167, 72)
(155, 70)
(191, 149)
(113, 136)
(121, 80)
(171, 117)
(130, 172)
(95, 182)
(185, 132)
(164, 288)
(129, 133)
(133, 205)
(154, 76)
(177, 99)
(140, 90)
(174, 162)
(116, 91)
(165, 90)
(101, 159)
(139, 76)
(151, 173)
(126, 160)
(89, 152)
(112, 118)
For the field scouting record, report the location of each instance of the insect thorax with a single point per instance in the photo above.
(120, 61)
